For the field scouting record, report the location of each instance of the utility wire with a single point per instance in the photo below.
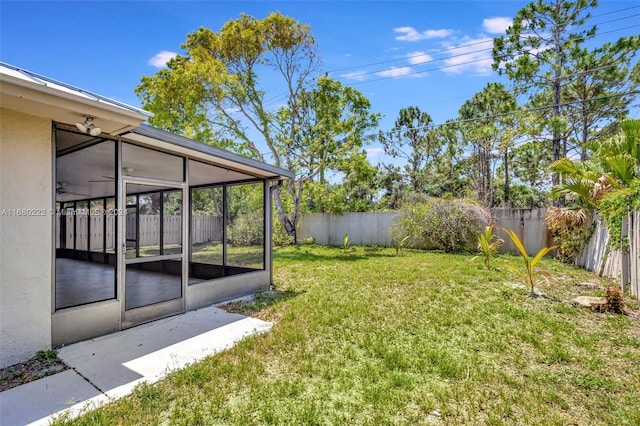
(452, 65)
(474, 44)
(275, 99)
(486, 117)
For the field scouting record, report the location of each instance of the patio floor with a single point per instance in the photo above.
(109, 367)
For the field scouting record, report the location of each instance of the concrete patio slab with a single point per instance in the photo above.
(109, 367)
(33, 401)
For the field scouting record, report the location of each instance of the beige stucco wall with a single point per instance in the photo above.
(25, 240)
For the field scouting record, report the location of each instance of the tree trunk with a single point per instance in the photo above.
(506, 177)
(557, 154)
(585, 133)
(289, 227)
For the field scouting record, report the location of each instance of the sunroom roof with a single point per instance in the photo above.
(31, 78)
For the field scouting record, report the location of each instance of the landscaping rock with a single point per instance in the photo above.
(590, 301)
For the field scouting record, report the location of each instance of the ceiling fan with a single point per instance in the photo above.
(106, 179)
(61, 188)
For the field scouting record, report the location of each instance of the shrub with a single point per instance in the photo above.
(279, 235)
(449, 225)
(571, 230)
(614, 207)
(247, 229)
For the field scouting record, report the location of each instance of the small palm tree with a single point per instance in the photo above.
(530, 274)
(488, 244)
(615, 163)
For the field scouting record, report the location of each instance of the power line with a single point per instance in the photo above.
(486, 117)
(277, 98)
(453, 65)
(472, 44)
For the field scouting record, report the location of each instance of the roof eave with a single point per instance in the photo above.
(273, 172)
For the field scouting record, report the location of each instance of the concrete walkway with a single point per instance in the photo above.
(109, 367)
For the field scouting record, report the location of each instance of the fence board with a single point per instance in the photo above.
(634, 253)
(204, 229)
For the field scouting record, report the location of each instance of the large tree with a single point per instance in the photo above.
(413, 141)
(333, 123)
(538, 53)
(228, 89)
(488, 120)
(599, 93)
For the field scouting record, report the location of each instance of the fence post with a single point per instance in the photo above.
(625, 258)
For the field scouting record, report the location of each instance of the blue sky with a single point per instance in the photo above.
(399, 53)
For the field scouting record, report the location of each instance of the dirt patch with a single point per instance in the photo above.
(45, 363)
(259, 306)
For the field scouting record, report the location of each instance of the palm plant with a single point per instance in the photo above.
(488, 244)
(615, 162)
(531, 274)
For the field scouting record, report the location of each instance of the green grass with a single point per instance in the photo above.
(366, 337)
(248, 256)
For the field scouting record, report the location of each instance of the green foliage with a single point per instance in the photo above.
(247, 229)
(531, 275)
(345, 242)
(609, 181)
(571, 230)
(279, 236)
(400, 243)
(49, 356)
(413, 141)
(322, 125)
(356, 191)
(614, 207)
(490, 129)
(449, 225)
(488, 244)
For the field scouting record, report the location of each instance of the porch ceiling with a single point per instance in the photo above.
(90, 172)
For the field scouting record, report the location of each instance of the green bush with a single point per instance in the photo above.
(571, 230)
(247, 229)
(279, 235)
(614, 207)
(449, 225)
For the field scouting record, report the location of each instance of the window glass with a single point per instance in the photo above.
(145, 162)
(96, 225)
(206, 225)
(245, 226)
(172, 222)
(82, 225)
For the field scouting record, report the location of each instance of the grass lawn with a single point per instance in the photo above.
(248, 256)
(365, 337)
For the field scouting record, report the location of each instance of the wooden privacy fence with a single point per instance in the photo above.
(204, 229)
(623, 265)
(634, 253)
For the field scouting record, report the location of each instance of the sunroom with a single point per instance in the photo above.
(140, 223)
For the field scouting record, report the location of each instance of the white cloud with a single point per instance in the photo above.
(347, 55)
(355, 75)
(472, 57)
(395, 72)
(497, 25)
(411, 34)
(161, 58)
(418, 57)
(374, 152)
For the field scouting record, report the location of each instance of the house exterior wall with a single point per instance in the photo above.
(26, 237)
